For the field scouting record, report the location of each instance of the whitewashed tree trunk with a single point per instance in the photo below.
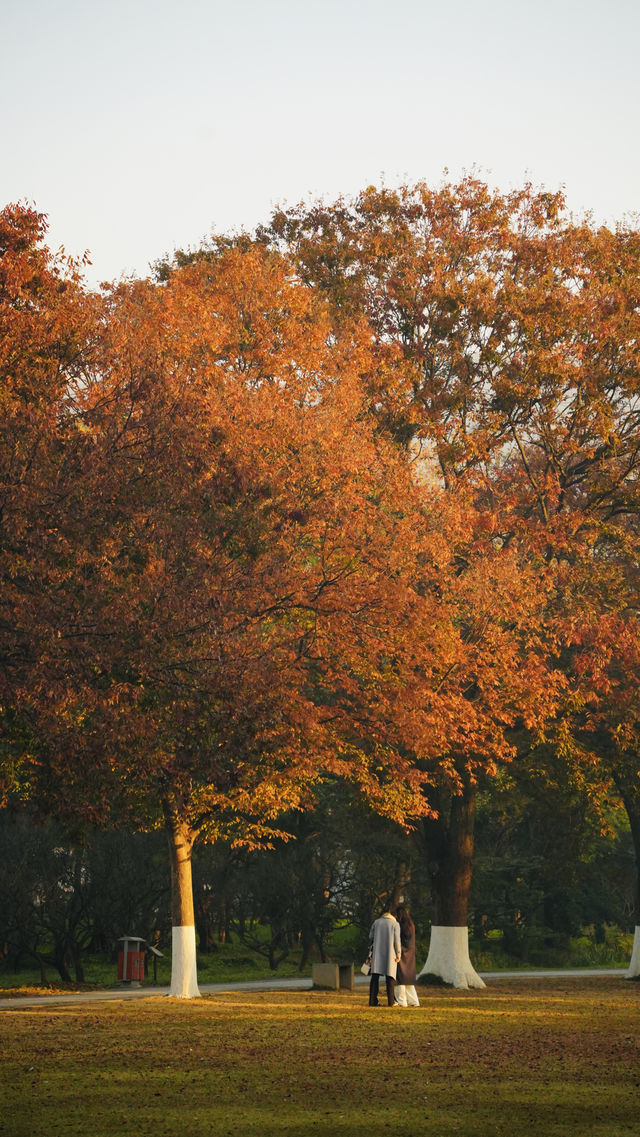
(448, 958)
(184, 971)
(634, 966)
(449, 847)
(184, 974)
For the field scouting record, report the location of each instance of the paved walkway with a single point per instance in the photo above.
(302, 984)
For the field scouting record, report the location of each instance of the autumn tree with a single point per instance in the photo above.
(215, 557)
(507, 351)
(600, 729)
(471, 678)
(576, 481)
(45, 325)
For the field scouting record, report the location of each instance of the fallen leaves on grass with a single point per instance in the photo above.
(287, 1063)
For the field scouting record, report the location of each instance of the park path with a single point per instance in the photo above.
(294, 984)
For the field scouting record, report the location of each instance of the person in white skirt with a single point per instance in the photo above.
(405, 992)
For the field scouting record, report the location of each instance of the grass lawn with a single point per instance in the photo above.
(523, 1056)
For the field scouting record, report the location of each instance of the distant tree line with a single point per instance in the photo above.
(536, 883)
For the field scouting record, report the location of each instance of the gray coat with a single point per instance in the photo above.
(384, 940)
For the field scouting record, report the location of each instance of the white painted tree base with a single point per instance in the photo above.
(184, 972)
(634, 966)
(448, 958)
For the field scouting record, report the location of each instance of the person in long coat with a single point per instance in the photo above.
(385, 948)
(405, 992)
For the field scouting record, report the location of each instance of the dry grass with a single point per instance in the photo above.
(552, 1057)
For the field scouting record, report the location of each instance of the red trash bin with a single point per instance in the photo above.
(131, 959)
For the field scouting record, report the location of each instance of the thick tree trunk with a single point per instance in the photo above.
(449, 847)
(634, 818)
(632, 806)
(630, 794)
(184, 975)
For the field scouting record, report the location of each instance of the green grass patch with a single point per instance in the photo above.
(550, 1057)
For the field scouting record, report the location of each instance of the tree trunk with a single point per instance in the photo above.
(449, 847)
(42, 964)
(184, 975)
(224, 932)
(61, 963)
(402, 879)
(206, 941)
(77, 965)
(630, 793)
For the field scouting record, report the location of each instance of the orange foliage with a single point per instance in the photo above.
(217, 564)
(506, 349)
(341, 501)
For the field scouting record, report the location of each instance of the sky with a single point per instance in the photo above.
(140, 127)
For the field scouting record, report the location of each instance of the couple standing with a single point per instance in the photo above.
(392, 942)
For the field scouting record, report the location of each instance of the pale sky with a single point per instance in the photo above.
(142, 126)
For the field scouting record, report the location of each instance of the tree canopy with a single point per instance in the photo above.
(355, 496)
